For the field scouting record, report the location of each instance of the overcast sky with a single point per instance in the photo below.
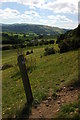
(59, 13)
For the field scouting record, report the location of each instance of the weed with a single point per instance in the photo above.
(30, 64)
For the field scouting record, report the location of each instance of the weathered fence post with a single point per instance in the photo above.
(25, 79)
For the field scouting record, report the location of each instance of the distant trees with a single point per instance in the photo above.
(40, 42)
(51, 41)
(24, 35)
(12, 41)
(7, 47)
(9, 39)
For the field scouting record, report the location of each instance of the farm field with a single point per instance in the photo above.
(46, 74)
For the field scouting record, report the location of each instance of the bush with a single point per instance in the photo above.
(64, 47)
(6, 66)
(30, 44)
(78, 31)
(35, 43)
(51, 41)
(22, 46)
(27, 53)
(31, 51)
(41, 42)
(46, 49)
(14, 46)
(46, 42)
(67, 45)
(8, 47)
(49, 51)
(60, 38)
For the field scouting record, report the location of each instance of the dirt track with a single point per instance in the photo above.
(49, 108)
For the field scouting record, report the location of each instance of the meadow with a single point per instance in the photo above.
(46, 75)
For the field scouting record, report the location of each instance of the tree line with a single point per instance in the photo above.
(15, 41)
(70, 40)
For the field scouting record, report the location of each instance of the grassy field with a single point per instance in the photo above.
(47, 75)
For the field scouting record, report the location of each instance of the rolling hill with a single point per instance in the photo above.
(32, 28)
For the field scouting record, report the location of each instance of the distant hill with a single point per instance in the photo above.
(32, 28)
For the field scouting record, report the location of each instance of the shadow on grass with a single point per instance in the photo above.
(75, 84)
(16, 75)
(24, 114)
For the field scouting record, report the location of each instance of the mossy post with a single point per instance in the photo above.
(25, 79)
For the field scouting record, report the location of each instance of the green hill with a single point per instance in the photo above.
(70, 40)
(32, 28)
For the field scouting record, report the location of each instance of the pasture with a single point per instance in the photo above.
(45, 76)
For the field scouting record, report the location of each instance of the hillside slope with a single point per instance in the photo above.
(70, 40)
(31, 28)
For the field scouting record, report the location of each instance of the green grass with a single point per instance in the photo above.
(49, 71)
(71, 110)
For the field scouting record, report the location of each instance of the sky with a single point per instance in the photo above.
(56, 13)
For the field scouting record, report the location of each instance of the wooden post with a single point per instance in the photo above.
(23, 70)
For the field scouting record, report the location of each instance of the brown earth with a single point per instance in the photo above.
(50, 107)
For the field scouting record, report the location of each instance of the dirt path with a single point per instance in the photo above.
(49, 108)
